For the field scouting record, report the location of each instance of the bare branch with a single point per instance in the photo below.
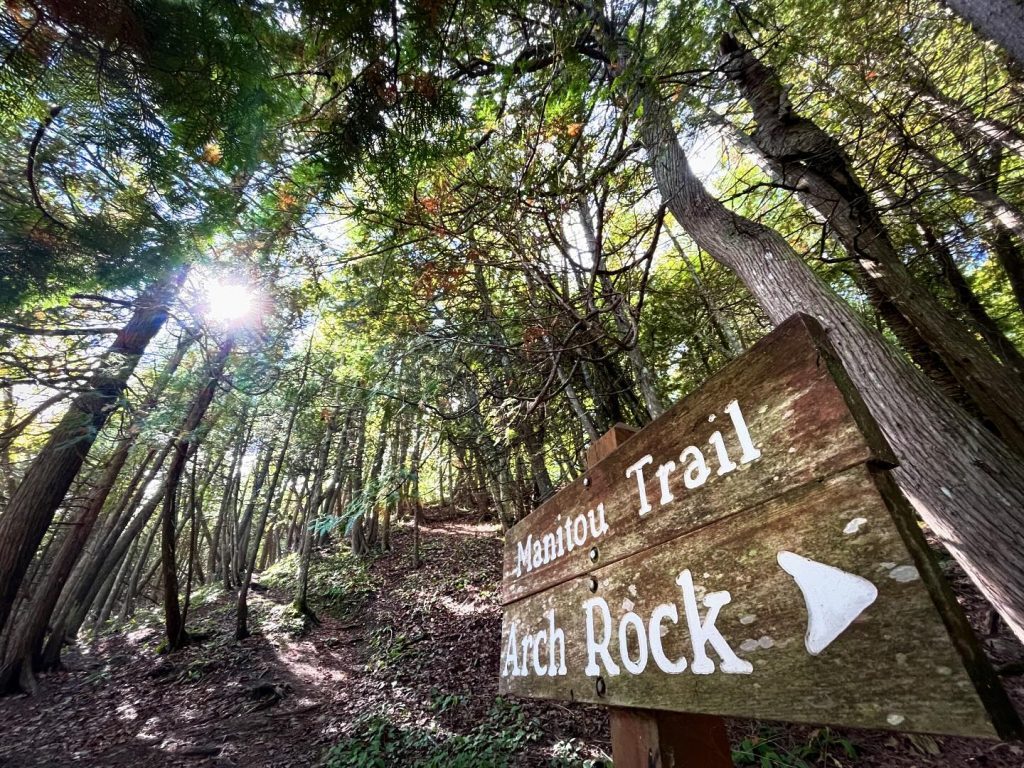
(26, 330)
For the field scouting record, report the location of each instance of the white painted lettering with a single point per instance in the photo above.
(594, 648)
(511, 658)
(597, 528)
(541, 636)
(523, 555)
(524, 670)
(702, 633)
(696, 472)
(663, 472)
(556, 638)
(662, 612)
(750, 451)
(638, 470)
(549, 547)
(725, 464)
(579, 530)
(634, 621)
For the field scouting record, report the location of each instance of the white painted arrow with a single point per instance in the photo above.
(834, 598)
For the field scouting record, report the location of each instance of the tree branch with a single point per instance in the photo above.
(30, 168)
(26, 330)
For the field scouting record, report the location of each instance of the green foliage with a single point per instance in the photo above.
(445, 702)
(379, 490)
(989, 282)
(388, 649)
(287, 619)
(339, 582)
(573, 753)
(494, 743)
(772, 749)
(129, 133)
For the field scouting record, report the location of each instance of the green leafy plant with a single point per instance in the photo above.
(768, 749)
(494, 743)
(339, 583)
(446, 702)
(573, 753)
(387, 648)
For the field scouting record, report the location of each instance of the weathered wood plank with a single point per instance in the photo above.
(652, 739)
(804, 422)
(647, 738)
(989, 687)
(893, 667)
(609, 442)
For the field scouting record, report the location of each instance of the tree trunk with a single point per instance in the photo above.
(309, 519)
(1001, 244)
(987, 129)
(13, 430)
(814, 164)
(140, 566)
(966, 484)
(724, 329)
(51, 473)
(245, 525)
(193, 540)
(236, 446)
(534, 430)
(1006, 214)
(414, 470)
(923, 355)
(29, 633)
(986, 164)
(81, 592)
(183, 445)
(242, 605)
(577, 407)
(399, 448)
(1001, 21)
(117, 584)
(371, 489)
(103, 538)
(624, 321)
(1001, 346)
(7, 484)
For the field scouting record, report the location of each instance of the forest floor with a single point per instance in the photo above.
(400, 671)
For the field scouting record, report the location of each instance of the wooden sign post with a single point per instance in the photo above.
(746, 554)
(643, 738)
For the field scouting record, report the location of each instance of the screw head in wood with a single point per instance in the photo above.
(594, 554)
(586, 482)
(600, 687)
(593, 584)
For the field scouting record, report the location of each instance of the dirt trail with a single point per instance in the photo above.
(257, 703)
(420, 655)
(276, 700)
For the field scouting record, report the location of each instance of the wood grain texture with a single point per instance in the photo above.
(647, 738)
(609, 442)
(643, 738)
(806, 425)
(893, 668)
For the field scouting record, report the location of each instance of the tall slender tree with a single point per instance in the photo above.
(41, 491)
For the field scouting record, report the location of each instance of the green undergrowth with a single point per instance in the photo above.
(499, 741)
(389, 649)
(207, 605)
(340, 584)
(770, 748)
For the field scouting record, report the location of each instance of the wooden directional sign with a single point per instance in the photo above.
(747, 554)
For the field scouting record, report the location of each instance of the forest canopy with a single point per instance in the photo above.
(276, 275)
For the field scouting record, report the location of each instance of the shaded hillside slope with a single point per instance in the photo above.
(402, 670)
